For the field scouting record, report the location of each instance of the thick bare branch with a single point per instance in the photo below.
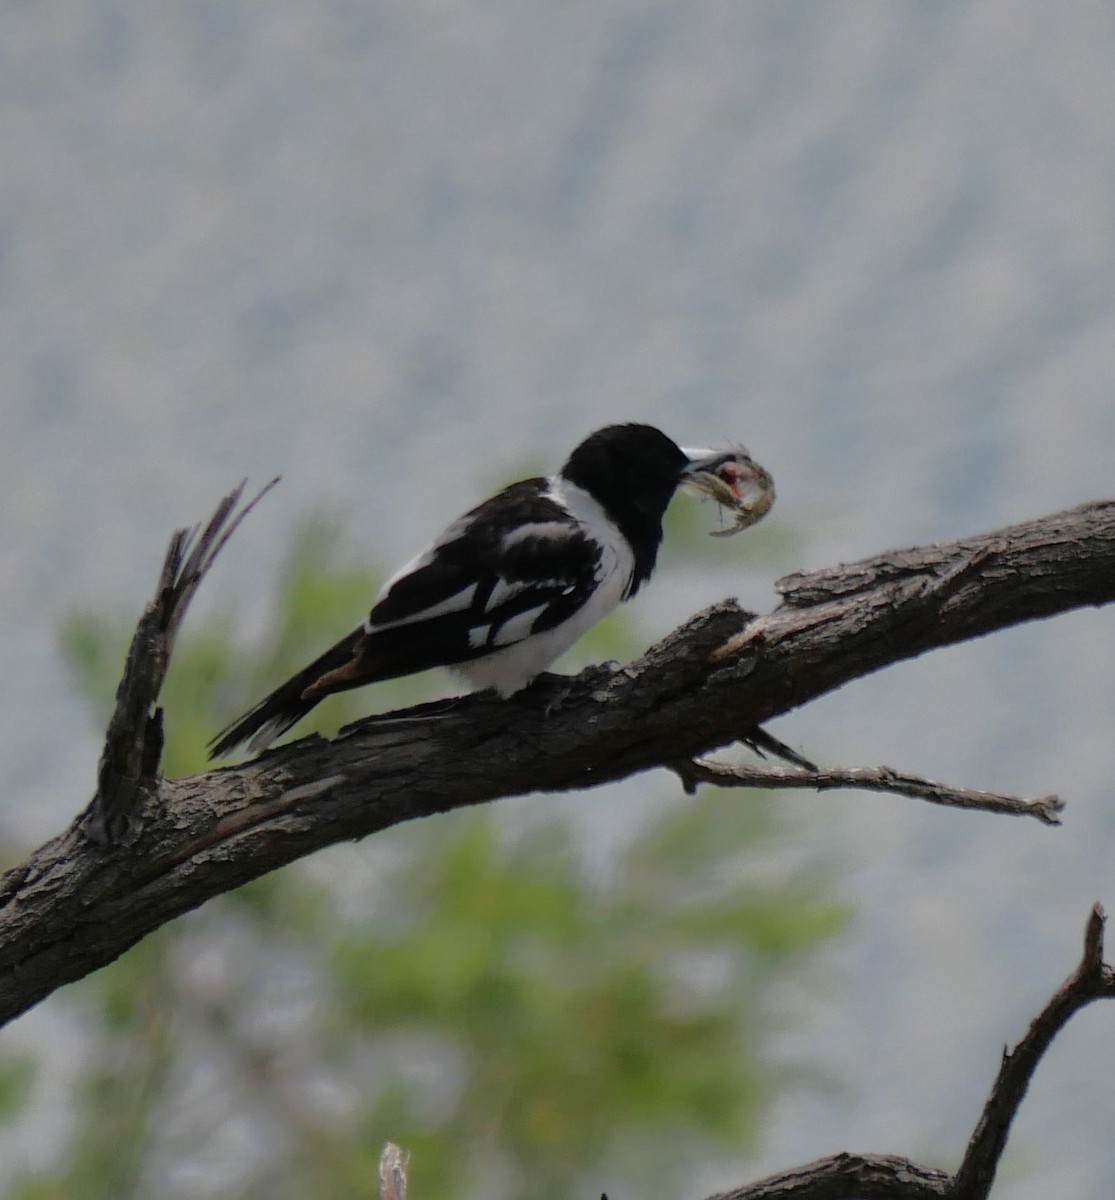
(76, 905)
(849, 1177)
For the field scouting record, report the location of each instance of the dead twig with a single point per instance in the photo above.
(1046, 809)
(1092, 980)
(393, 1172)
(889, 1177)
(133, 747)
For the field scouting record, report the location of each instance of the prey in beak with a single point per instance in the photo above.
(734, 480)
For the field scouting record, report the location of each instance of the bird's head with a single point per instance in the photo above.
(628, 468)
(637, 468)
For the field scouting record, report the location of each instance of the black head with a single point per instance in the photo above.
(633, 471)
(628, 466)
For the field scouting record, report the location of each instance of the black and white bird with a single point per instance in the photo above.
(517, 580)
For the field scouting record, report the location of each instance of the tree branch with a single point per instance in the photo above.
(134, 742)
(1092, 980)
(885, 1177)
(1047, 809)
(77, 904)
(889, 1177)
(849, 1177)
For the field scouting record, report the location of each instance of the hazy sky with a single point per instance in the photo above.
(394, 251)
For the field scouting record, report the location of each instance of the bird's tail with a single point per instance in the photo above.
(286, 705)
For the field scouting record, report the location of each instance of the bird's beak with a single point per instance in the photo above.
(734, 480)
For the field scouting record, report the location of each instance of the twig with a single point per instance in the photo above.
(885, 1177)
(393, 1172)
(1092, 980)
(134, 741)
(1046, 809)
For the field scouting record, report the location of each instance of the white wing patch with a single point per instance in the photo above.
(458, 602)
(517, 627)
(508, 589)
(552, 531)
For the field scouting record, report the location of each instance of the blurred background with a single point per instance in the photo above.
(400, 253)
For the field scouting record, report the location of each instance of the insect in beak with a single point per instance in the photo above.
(735, 481)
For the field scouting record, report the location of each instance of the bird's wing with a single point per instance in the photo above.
(517, 565)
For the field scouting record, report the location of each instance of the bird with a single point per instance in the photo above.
(515, 581)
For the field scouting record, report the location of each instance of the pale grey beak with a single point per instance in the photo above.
(698, 455)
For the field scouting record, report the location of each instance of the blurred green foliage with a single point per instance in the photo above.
(526, 1017)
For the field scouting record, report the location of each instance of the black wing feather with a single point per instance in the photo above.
(554, 569)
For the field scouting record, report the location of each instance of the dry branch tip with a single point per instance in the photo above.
(129, 765)
(1045, 809)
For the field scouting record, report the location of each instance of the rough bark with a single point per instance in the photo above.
(87, 895)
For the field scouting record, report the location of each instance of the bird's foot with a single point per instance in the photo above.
(557, 689)
(552, 690)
